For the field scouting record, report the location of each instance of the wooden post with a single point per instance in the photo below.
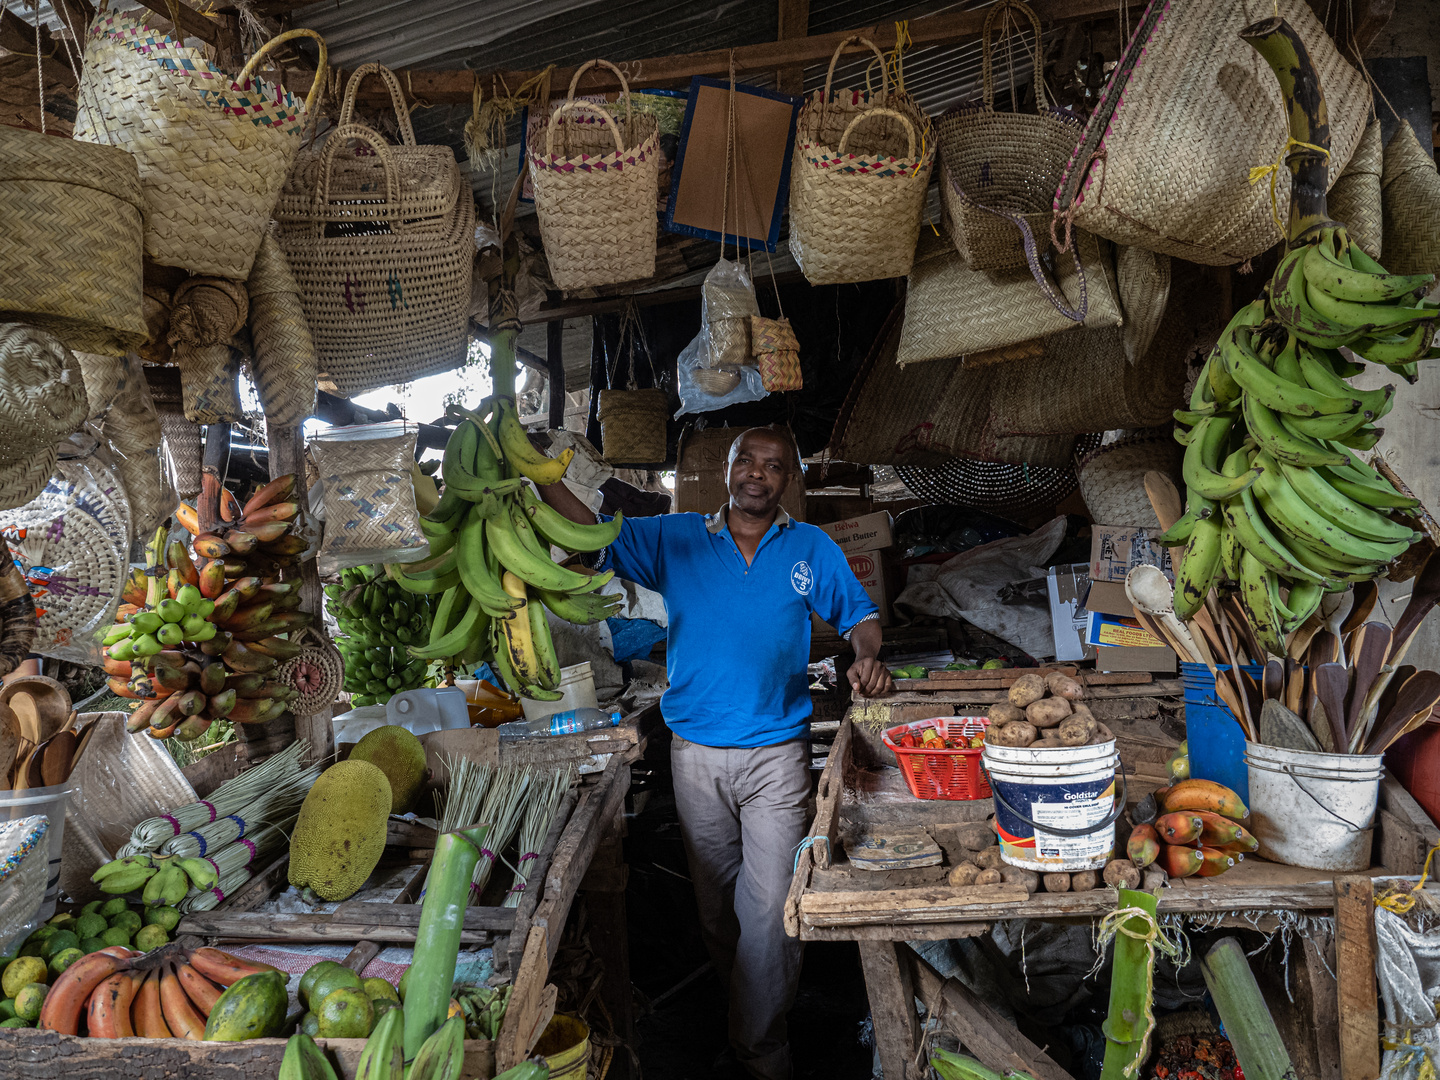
(555, 366)
(891, 991)
(1355, 974)
(794, 23)
(604, 888)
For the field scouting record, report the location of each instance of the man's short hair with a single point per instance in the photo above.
(774, 431)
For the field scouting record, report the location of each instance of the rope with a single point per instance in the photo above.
(1154, 938)
(1402, 901)
(807, 843)
(1259, 172)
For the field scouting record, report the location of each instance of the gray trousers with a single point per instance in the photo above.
(742, 814)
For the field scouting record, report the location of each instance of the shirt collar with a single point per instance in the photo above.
(717, 521)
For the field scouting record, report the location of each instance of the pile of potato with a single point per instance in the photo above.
(1044, 712)
(981, 864)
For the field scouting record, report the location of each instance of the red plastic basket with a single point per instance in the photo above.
(942, 774)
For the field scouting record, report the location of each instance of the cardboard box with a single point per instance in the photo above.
(1106, 600)
(1114, 549)
(872, 568)
(872, 532)
(702, 473)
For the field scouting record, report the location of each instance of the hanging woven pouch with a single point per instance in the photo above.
(317, 672)
(1411, 200)
(777, 353)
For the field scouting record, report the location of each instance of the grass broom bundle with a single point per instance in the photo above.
(236, 862)
(504, 804)
(282, 801)
(469, 781)
(540, 811)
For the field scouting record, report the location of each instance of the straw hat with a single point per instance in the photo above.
(42, 392)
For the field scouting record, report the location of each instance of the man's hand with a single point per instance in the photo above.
(870, 678)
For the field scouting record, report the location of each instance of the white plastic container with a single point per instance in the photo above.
(350, 727)
(1071, 790)
(577, 687)
(49, 801)
(425, 710)
(1313, 810)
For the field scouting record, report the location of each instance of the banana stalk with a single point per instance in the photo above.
(1243, 1011)
(1130, 1021)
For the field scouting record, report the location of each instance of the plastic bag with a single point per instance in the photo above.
(697, 394)
(369, 498)
(727, 301)
(72, 543)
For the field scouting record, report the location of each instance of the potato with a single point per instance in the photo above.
(1079, 708)
(1018, 875)
(1057, 882)
(988, 877)
(1025, 689)
(1064, 686)
(1154, 877)
(1076, 730)
(976, 836)
(1017, 734)
(1047, 712)
(1002, 712)
(964, 874)
(1083, 880)
(1103, 733)
(1122, 874)
(989, 859)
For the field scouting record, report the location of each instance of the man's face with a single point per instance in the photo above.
(759, 471)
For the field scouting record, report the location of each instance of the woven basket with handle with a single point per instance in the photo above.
(858, 180)
(595, 189)
(381, 241)
(71, 228)
(1004, 166)
(632, 426)
(1411, 201)
(1112, 477)
(285, 365)
(213, 150)
(1355, 197)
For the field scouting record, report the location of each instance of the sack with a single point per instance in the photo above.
(1411, 205)
(1355, 199)
(595, 189)
(1003, 167)
(369, 498)
(381, 240)
(71, 231)
(777, 353)
(1165, 160)
(858, 180)
(212, 150)
(951, 310)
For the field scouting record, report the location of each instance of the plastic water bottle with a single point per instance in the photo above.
(560, 723)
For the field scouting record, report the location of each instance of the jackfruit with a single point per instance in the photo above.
(340, 833)
(399, 755)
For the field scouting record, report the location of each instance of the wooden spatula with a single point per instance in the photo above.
(1424, 595)
(1332, 682)
(1366, 594)
(1168, 506)
(1272, 682)
(1369, 647)
(86, 733)
(59, 753)
(1294, 686)
(1419, 693)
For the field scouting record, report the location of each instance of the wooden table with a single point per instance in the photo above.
(1332, 1031)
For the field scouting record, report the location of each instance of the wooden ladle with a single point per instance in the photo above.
(41, 704)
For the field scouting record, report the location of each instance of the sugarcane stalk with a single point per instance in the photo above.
(1128, 1025)
(1278, 44)
(437, 940)
(1247, 1020)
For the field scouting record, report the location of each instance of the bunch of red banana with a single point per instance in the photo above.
(1198, 832)
(118, 993)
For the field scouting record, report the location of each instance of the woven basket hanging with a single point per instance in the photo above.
(185, 452)
(1112, 477)
(317, 672)
(595, 188)
(1165, 159)
(633, 420)
(213, 150)
(207, 313)
(1144, 283)
(1411, 200)
(858, 180)
(42, 396)
(1004, 166)
(71, 230)
(1355, 198)
(777, 353)
(381, 241)
(285, 365)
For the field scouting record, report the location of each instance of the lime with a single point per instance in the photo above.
(62, 960)
(41, 933)
(14, 1021)
(29, 1000)
(21, 972)
(33, 947)
(63, 920)
(381, 1006)
(328, 981)
(345, 1014)
(375, 989)
(150, 937)
(91, 944)
(309, 1025)
(114, 907)
(313, 972)
(58, 943)
(130, 920)
(116, 935)
(92, 908)
(91, 925)
(167, 917)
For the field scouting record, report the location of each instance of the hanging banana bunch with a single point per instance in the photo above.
(490, 564)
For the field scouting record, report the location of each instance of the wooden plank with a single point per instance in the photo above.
(941, 931)
(829, 795)
(526, 1001)
(387, 922)
(1357, 999)
(983, 1032)
(1406, 831)
(191, 21)
(892, 1005)
(803, 865)
(1159, 688)
(919, 904)
(794, 22)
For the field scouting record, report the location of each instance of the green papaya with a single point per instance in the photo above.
(253, 1008)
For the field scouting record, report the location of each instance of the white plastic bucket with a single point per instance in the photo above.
(577, 687)
(49, 801)
(1071, 790)
(1313, 810)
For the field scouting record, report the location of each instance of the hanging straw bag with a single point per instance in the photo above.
(595, 189)
(1355, 198)
(1411, 200)
(71, 230)
(208, 312)
(213, 151)
(286, 369)
(381, 241)
(776, 349)
(633, 421)
(1003, 167)
(1166, 156)
(1112, 477)
(858, 180)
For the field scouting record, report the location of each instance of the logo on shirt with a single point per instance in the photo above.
(801, 578)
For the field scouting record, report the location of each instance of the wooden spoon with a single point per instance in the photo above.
(1240, 626)
(1272, 682)
(1294, 686)
(1419, 693)
(1366, 593)
(1424, 595)
(1333, 609)
(10, 739)
(59, 753)
(1166, 502)
(1369, 647)
(42, 704)
(86, 733)
(1332, 681)
(1324, 649)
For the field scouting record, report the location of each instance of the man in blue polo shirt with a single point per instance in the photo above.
(739, 587)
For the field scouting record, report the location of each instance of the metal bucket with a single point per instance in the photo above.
(1313, 810)
(1055, 810)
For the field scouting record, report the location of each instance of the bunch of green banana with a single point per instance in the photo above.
(1277, 500)
(490, 564)
(484, 1008)
(304, 1060)
(164, 879)
(378, 620)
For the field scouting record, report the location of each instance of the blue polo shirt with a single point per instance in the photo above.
(739, 638)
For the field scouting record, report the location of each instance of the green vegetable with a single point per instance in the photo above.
(1242, 1009)
(950, 1066)
(1130, 1022)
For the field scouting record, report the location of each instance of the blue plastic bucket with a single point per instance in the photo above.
(1216, 740)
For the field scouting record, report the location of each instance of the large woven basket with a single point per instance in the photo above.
(71, 228)
(1112, 477)
(858, 180)
(285, 365)
(632, 427)
(1191, 108)
(42, 392)
(1004, 166)
(1355, 197)
(381, 242)
(595, 189)
(212, 150)
(1411, 201)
